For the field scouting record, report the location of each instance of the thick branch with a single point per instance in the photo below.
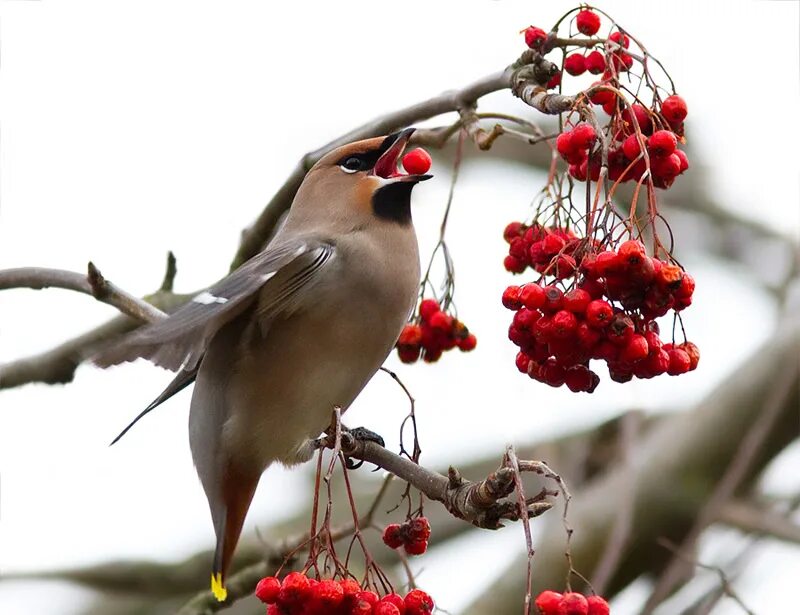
(481, 503)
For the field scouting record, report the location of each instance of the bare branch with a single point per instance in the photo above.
(58, 365)
(754, 518)
(92, 283)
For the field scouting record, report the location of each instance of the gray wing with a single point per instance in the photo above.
(274, 277)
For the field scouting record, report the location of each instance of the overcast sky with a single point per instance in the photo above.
(133, 128)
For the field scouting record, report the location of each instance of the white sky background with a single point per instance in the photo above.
(133, 128)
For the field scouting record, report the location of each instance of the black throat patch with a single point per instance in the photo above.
(393, 202)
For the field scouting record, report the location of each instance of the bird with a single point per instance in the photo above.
(296, 331)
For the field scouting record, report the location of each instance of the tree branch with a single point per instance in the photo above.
(92, 283)
(58, 365)
(755, 518)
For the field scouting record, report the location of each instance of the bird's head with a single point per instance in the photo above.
(360, 182)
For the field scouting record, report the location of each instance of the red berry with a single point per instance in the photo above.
(631, 147)
(573, 604)
(599, 314)
(598, 606)
(583, 136)
(514, 264)
(620, 39)
(576, 300)
(327, 595)
(532, 296)
(579, 378)
(662, 143)
(683, 160)
(657, 362)
(587, 22)
(416, 547)
(393, 599)
(552, 244)
(552, 299)
(465, 344)
(391, 536)
(419, 528)
(668, 167)
(679, 362)
(554, 82)
(642, 117)
(575, 64)
(547, 602)
(294, 589)
(686, 289)
(587, 336)
(669, 276)
(428, 308)
(694, 354)
(595, 62)
(564, 144)
(417, 161)
(385, 608)
(442, 322)
(564, 324)
(602, 96)
(635, 350)
(268, 589)
(631, 249)
(410, 335)
(431, 355)
(534, 37)
(350, 587)
(408, 354)
(359, 607)
(417, 602)
(674, 109)
(553, 373)
(522, 361)
(513, 230)
(511, 298)
(369, 597)
(620, 329)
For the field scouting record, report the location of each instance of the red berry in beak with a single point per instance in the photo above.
(417, 162)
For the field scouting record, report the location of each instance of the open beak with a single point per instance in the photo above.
(387, 168)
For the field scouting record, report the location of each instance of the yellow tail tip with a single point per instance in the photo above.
(217, 588)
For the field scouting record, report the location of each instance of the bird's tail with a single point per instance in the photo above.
(238, 492)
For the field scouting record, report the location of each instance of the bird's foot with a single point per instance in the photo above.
(366, 435)
(349, 439)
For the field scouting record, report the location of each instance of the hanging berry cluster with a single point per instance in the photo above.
(598, 290)
(432, 332)
(299, 594)
(413, 535)
(558, 332)
(571, 603)
(637, 137)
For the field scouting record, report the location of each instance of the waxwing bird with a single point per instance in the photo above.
(296, 330)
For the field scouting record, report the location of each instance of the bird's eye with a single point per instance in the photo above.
(353, 164)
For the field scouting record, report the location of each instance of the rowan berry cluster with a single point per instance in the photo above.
(433, 332)
(412, 535)
(299, 594)
(559, 333)
(633, 130)
(570, 603)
